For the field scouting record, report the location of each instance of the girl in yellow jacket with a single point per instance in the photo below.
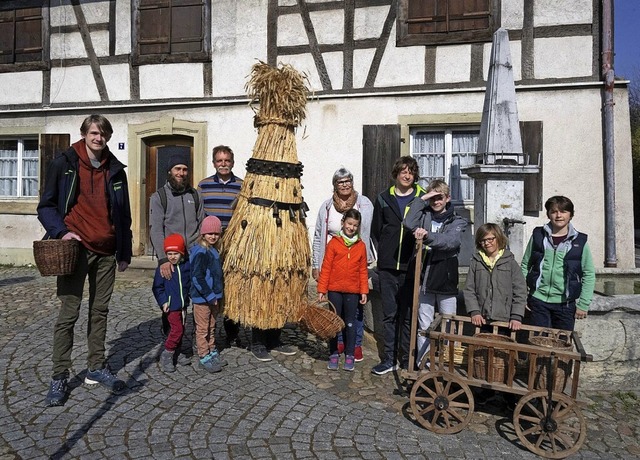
(344, 281)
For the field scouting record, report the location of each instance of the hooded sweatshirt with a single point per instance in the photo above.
(90, 218)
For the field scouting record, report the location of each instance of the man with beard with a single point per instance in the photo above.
(175, 208)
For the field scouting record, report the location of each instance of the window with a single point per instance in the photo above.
(442, 153)
(21, 33)
(19, 167)
(425, 22)
(172, 31)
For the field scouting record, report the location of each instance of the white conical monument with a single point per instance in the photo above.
(500, 169)
(500, 141)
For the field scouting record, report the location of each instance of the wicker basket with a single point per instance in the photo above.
(322, 322)
(563, 371)
(500, 359)
(56, 257)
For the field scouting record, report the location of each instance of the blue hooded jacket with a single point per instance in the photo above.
(206, 274)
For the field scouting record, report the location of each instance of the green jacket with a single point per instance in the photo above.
(551, 284)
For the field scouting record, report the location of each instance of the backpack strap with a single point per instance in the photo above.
(162, 193)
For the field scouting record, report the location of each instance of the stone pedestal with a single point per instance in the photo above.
(499, 199)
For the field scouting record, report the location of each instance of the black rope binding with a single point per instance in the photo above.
(275, 168)
(277, 206)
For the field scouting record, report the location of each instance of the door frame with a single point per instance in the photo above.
(138, 138)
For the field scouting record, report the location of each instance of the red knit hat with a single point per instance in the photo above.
(174, 242)
(211, 224)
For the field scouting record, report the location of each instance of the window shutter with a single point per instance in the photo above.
(29, 35)
(186, 26)
(443, 16)
(50, 146)
(155, 22)
(531, 133)
(6, 37)
(381, 148)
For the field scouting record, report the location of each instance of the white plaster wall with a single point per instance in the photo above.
(95, 12)
(558, 12)
(563, 57)
(453, 63)
(24, 225)
(61, 13)
(162, 81)
(123, 26)
(334, 64)
(328, 26)
(30, 84)
(332, 137)
(304, 63)
(511, 14)
(116, 78)
(291, 31)
(65, 46)
(362, 60)
(515, 49)
(237, 43)
(368, 22)
(73, 84)
(401, 65)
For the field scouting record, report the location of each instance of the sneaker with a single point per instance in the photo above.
(210, 365)
(286, 350)
(182, 359)
(166, 361)
(357, 354)
(333, 362)
(105, 378)
(349, 363)
(340, 348)
(218, 357)
(57, 392)
(384, 367)
(261, 354)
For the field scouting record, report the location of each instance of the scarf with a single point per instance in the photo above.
(491, 263)
(343, 206)
(348, 242)
(448, 212)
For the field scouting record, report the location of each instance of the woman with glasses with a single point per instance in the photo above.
(329, 224)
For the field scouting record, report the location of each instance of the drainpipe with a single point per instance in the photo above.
(610, 258)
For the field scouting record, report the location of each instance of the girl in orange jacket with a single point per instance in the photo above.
(344, 281)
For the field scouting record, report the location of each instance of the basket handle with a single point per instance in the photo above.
(333, 307)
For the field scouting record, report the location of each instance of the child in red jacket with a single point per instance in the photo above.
(344, 280)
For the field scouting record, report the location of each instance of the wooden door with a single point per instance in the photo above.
(158, 151)
(381, 148)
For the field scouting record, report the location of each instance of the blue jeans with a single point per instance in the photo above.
(359, 326)
(555, 315)
(346, 307)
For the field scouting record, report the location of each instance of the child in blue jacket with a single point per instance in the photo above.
(206, 292)
(172, 296)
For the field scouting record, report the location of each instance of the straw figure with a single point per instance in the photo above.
(266, 246)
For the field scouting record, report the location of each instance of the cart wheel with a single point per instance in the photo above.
(554, 430)
(441, 402)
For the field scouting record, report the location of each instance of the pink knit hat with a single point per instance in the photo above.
(210, 224)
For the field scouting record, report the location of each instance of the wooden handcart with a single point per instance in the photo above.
(547, 419)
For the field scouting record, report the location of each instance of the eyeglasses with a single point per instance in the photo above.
(488, 240)
(344, 183)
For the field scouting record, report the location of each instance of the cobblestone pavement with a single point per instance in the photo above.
(291, 407)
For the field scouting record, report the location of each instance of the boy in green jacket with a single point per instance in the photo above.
(558, 267)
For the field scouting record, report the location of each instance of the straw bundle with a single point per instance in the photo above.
(266, 246)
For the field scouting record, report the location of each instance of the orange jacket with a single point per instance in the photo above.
(344, 269)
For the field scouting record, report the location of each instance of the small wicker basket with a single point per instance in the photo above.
(322, 322)
(500, 359)
(56, 257)
(563, 372)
